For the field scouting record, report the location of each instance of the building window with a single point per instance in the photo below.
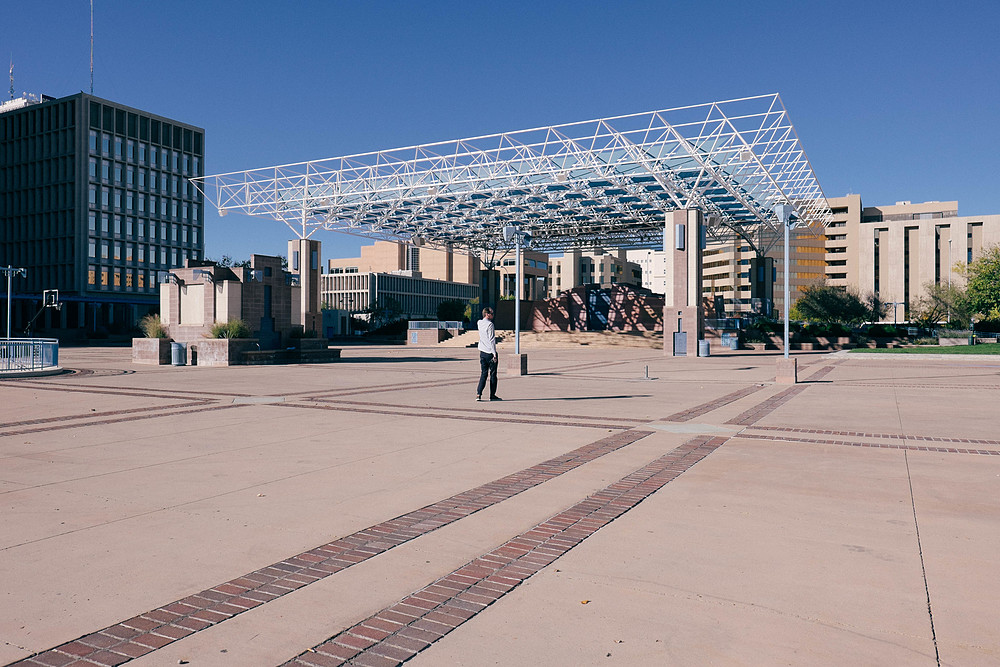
(93, 250)
(92, 222)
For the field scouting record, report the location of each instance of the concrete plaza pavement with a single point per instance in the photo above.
(618, 507)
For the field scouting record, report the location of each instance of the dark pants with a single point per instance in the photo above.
(489, 365)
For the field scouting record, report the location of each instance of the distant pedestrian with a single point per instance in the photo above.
(488, 358)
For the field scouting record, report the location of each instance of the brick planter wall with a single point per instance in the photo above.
(155, 351)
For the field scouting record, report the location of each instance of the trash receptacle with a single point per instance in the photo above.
(178, 354)
(703, 349)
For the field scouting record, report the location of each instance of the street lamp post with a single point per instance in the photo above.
(787, 371)
(11, 272)
(513, 233)
(784, 213)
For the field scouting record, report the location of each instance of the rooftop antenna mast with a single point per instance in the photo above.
(91, 47)
(12, 76)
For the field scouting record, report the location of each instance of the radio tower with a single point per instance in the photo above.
(91, 47)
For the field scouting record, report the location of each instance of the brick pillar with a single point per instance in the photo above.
(308, 269)
(682, 312)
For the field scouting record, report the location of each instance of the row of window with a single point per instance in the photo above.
(37, 200)
(121, 279)
(120, 174)
(143, 154)
(44, 118)
(133, 253)
(140, 204)
(38, 147)
(37, 173)
(129, 226)
(136, 126)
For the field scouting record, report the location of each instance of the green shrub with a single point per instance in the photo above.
(153, 327)
(234, 328)
(885, 331)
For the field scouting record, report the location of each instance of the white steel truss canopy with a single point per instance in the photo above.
(607, 182)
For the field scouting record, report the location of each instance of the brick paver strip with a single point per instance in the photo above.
(820, 374)
(164, 625)
(699, 410)
(103, 413)
(758, 412)
(872, 445)
(165, 412)
(866, 434)
(401, 631)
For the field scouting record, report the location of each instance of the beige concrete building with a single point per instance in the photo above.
(427, 262)
(406, 292)
(896, 250)
(594, 267)
(534, 274)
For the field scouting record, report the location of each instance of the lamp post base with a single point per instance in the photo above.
(516, 364)
(788, 371)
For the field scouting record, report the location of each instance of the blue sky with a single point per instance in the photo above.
(891, 100)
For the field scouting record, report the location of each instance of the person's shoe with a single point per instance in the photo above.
(478, 399)
(495, 398)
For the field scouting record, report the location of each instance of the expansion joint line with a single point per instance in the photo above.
(920, 551)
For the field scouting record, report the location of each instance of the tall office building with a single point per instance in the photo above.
(95, 201)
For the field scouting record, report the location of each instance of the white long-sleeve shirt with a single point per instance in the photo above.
(487, 336)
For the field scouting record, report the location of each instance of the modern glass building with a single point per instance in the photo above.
(95, 201)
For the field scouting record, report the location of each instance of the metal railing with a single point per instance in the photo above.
(28, 354)
(434, 324)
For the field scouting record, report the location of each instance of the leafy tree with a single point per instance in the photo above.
(451, 310)
(471, 310)
(983, 283)
(941, 303)
(388, 310)
(229, 262)
(877, 308)
(826, 303)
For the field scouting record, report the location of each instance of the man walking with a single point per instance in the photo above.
(488, 359)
